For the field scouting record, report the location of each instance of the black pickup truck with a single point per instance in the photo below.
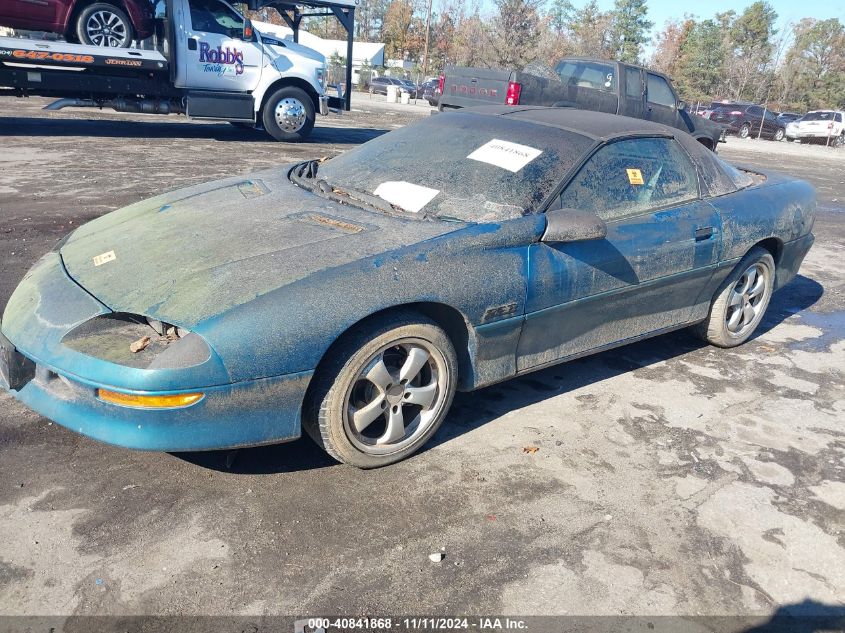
(588, 84)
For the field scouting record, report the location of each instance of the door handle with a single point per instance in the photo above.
(703, 234)
(192, 43)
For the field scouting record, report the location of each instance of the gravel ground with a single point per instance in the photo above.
(671, 478)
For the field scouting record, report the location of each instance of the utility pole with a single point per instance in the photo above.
(425, 53)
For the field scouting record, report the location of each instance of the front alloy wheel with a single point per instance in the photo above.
(382, 391)
(779, 134)
(396, 397)
(106, 25)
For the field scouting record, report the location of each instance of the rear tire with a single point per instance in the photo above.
(744, 131)
(289, 114)
(382, 391)
(103, 24)
(740, 302)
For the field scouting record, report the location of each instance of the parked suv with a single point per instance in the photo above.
(108, 23)
(378, 85)
(819, 125)
(744, 121)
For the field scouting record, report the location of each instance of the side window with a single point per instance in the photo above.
(212, 16)
(659, 91)
(770, 116)
(755, 111)
(631, 177)
(838, 117)
(587, 75)
(633, 83)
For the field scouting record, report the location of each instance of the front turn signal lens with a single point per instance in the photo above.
(149, 402)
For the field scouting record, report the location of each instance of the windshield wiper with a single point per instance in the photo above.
(305, 175)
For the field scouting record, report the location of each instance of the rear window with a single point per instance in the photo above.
(593, 75)
(818, 116)
(462, 165)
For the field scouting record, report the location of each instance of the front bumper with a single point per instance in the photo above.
(61, 383)
(228, 416)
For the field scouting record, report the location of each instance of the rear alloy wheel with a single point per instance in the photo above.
(102, 24)
(744, 131)
(780, 134)
(740, 302)
(383, 391)
(289, 114)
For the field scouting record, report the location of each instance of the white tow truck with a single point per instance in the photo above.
(210, 63)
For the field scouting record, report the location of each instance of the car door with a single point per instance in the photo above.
(645, 276)
(218, 58)
(770, 123)
(634, 96)
(661, 104)
(754, 115)
(39, 15)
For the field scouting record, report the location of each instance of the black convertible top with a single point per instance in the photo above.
(599, 126)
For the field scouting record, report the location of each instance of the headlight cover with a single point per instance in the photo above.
(110, 337)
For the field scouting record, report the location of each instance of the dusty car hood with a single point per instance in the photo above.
(194, 253)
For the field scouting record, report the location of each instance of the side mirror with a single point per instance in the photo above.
(570, 225)
(681, 105)
(248, 34)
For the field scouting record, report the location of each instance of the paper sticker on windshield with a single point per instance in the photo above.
(407, 195)
(504, 154)
(635, 176)
(99, 260)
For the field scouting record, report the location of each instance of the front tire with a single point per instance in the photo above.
(740, 302)
(779, 134)
(103, 24)
(382, 391)
(289, 114)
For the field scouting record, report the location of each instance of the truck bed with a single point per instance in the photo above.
(48, 55)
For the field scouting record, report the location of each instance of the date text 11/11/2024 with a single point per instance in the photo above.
(323, 625)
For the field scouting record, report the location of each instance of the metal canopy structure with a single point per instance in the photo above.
(343, 10)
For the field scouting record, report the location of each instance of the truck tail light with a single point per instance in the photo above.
(512, 95)
(441, 83)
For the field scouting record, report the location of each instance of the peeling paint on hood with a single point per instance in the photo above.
(194, 253)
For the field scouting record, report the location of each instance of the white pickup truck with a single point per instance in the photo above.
(211, 64)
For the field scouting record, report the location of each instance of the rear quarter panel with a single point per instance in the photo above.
(779, 208)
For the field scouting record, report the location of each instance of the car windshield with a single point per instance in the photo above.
(464, 166)
(818, 116)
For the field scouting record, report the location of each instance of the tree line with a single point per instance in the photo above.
(732, 55)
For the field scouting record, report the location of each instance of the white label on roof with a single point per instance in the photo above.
(504, 154)
(407, 195)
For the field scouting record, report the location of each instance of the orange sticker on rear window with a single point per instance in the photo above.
(635, 176)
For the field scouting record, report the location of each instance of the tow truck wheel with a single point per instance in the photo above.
(103, 24)
(289, 114)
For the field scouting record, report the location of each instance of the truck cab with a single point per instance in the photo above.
(218, 52)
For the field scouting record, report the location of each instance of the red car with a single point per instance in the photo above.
(101, 23)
